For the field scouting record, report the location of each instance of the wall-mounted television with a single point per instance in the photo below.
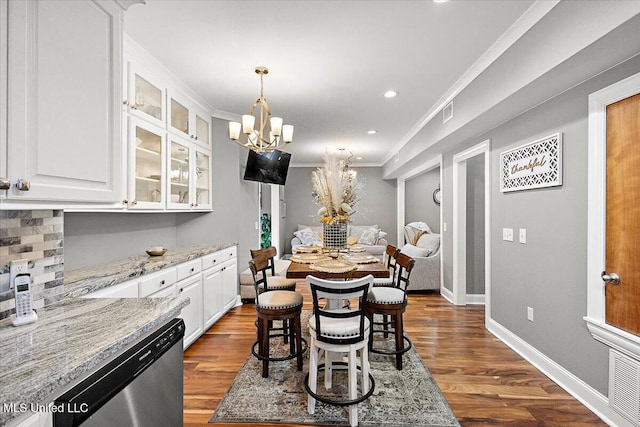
(270, 168)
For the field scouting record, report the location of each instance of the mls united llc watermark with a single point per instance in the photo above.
(66, 407)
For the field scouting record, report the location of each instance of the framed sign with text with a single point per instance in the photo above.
(534, 165)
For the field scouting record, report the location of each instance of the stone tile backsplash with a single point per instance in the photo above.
(38, 236)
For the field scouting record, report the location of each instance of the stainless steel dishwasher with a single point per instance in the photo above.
(141, 387)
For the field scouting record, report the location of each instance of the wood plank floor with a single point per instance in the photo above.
(484, 381)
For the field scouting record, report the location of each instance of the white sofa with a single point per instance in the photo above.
(426, 252)
(354, 233)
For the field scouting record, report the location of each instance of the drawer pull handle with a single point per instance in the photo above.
(162, 283)
(192, 269)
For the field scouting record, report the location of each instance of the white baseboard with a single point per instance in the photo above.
(447, 294)
(583, 392)
(475, 299)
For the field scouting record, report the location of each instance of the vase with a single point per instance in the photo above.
(335, 235)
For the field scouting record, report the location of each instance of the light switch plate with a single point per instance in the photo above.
(507, 234)
(523, 235)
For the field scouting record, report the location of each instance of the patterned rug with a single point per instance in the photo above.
(401, 398)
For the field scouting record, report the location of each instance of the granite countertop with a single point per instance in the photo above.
(74, 336)
(69, 340)
(82, 281)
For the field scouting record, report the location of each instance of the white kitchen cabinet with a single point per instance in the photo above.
(189, 178)
(36, 419)
(147, 166)
(188, 119)
(212, 295)
(144, 94)
(229, 284)
(192, 314)
(64, 117)
(220, 284)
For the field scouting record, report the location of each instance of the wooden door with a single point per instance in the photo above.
(623, 214)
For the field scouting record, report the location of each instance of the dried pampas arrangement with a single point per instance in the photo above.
(336, 189)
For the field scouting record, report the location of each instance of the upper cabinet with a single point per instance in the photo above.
(62, 119)
(188, 120)
(168, 139)
(145, 94)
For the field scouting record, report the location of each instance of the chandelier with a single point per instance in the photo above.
(258, 139)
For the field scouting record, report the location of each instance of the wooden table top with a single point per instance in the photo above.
(299, 270)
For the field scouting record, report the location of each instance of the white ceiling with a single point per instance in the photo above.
(330, 61)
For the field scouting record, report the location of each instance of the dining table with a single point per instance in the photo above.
(299, 270)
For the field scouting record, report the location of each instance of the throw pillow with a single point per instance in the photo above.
(414, 251)
(357, 230)
(308, 237)
(381, 235)
(352, 240)
(369, 237)
(430, 242)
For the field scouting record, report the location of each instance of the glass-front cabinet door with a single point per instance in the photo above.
(145, 96)
(146, 165)
(202, 180)
(188, 119)
(203, 129)
(179, 173)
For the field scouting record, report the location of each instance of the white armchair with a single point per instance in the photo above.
(424, 248)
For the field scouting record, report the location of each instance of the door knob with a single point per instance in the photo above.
(5, 183)
(612, 278)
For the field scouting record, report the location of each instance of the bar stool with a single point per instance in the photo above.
(339, 331)
(273, 281)
(390, 255)
(391, 301)
(274, 305)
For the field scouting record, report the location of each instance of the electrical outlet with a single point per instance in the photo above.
(507, 234)
(523, 235)
(19, 266)
(530, 314)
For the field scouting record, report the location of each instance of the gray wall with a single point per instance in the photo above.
(419, 204)
(549, 272)
(475, 225)
(93, 238)
(377, 204)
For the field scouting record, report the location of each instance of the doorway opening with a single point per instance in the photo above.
(471, 226)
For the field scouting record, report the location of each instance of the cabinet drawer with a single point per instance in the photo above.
(219, 257)
(189, 268)
(156, 281)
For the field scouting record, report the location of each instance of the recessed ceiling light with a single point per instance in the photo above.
(440, 1)
(359, 158)
(390, 94)
(372, 132)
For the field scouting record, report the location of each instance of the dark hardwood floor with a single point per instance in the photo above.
(484, 381)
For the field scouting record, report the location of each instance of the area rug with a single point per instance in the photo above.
(401, 398)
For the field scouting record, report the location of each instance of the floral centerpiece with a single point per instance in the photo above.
(336, 189)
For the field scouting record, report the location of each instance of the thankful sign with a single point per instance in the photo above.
(534, 165)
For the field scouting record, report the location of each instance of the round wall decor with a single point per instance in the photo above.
(436, 196)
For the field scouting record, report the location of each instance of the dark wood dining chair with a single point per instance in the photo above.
(273, 282)
(390, 255)
(275, 305)
(390, 302)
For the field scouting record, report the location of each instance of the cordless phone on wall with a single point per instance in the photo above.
(21, 282)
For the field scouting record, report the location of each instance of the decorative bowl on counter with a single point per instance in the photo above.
(156, 251)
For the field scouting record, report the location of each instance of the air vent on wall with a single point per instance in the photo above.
(447, 112)
(624, 386)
